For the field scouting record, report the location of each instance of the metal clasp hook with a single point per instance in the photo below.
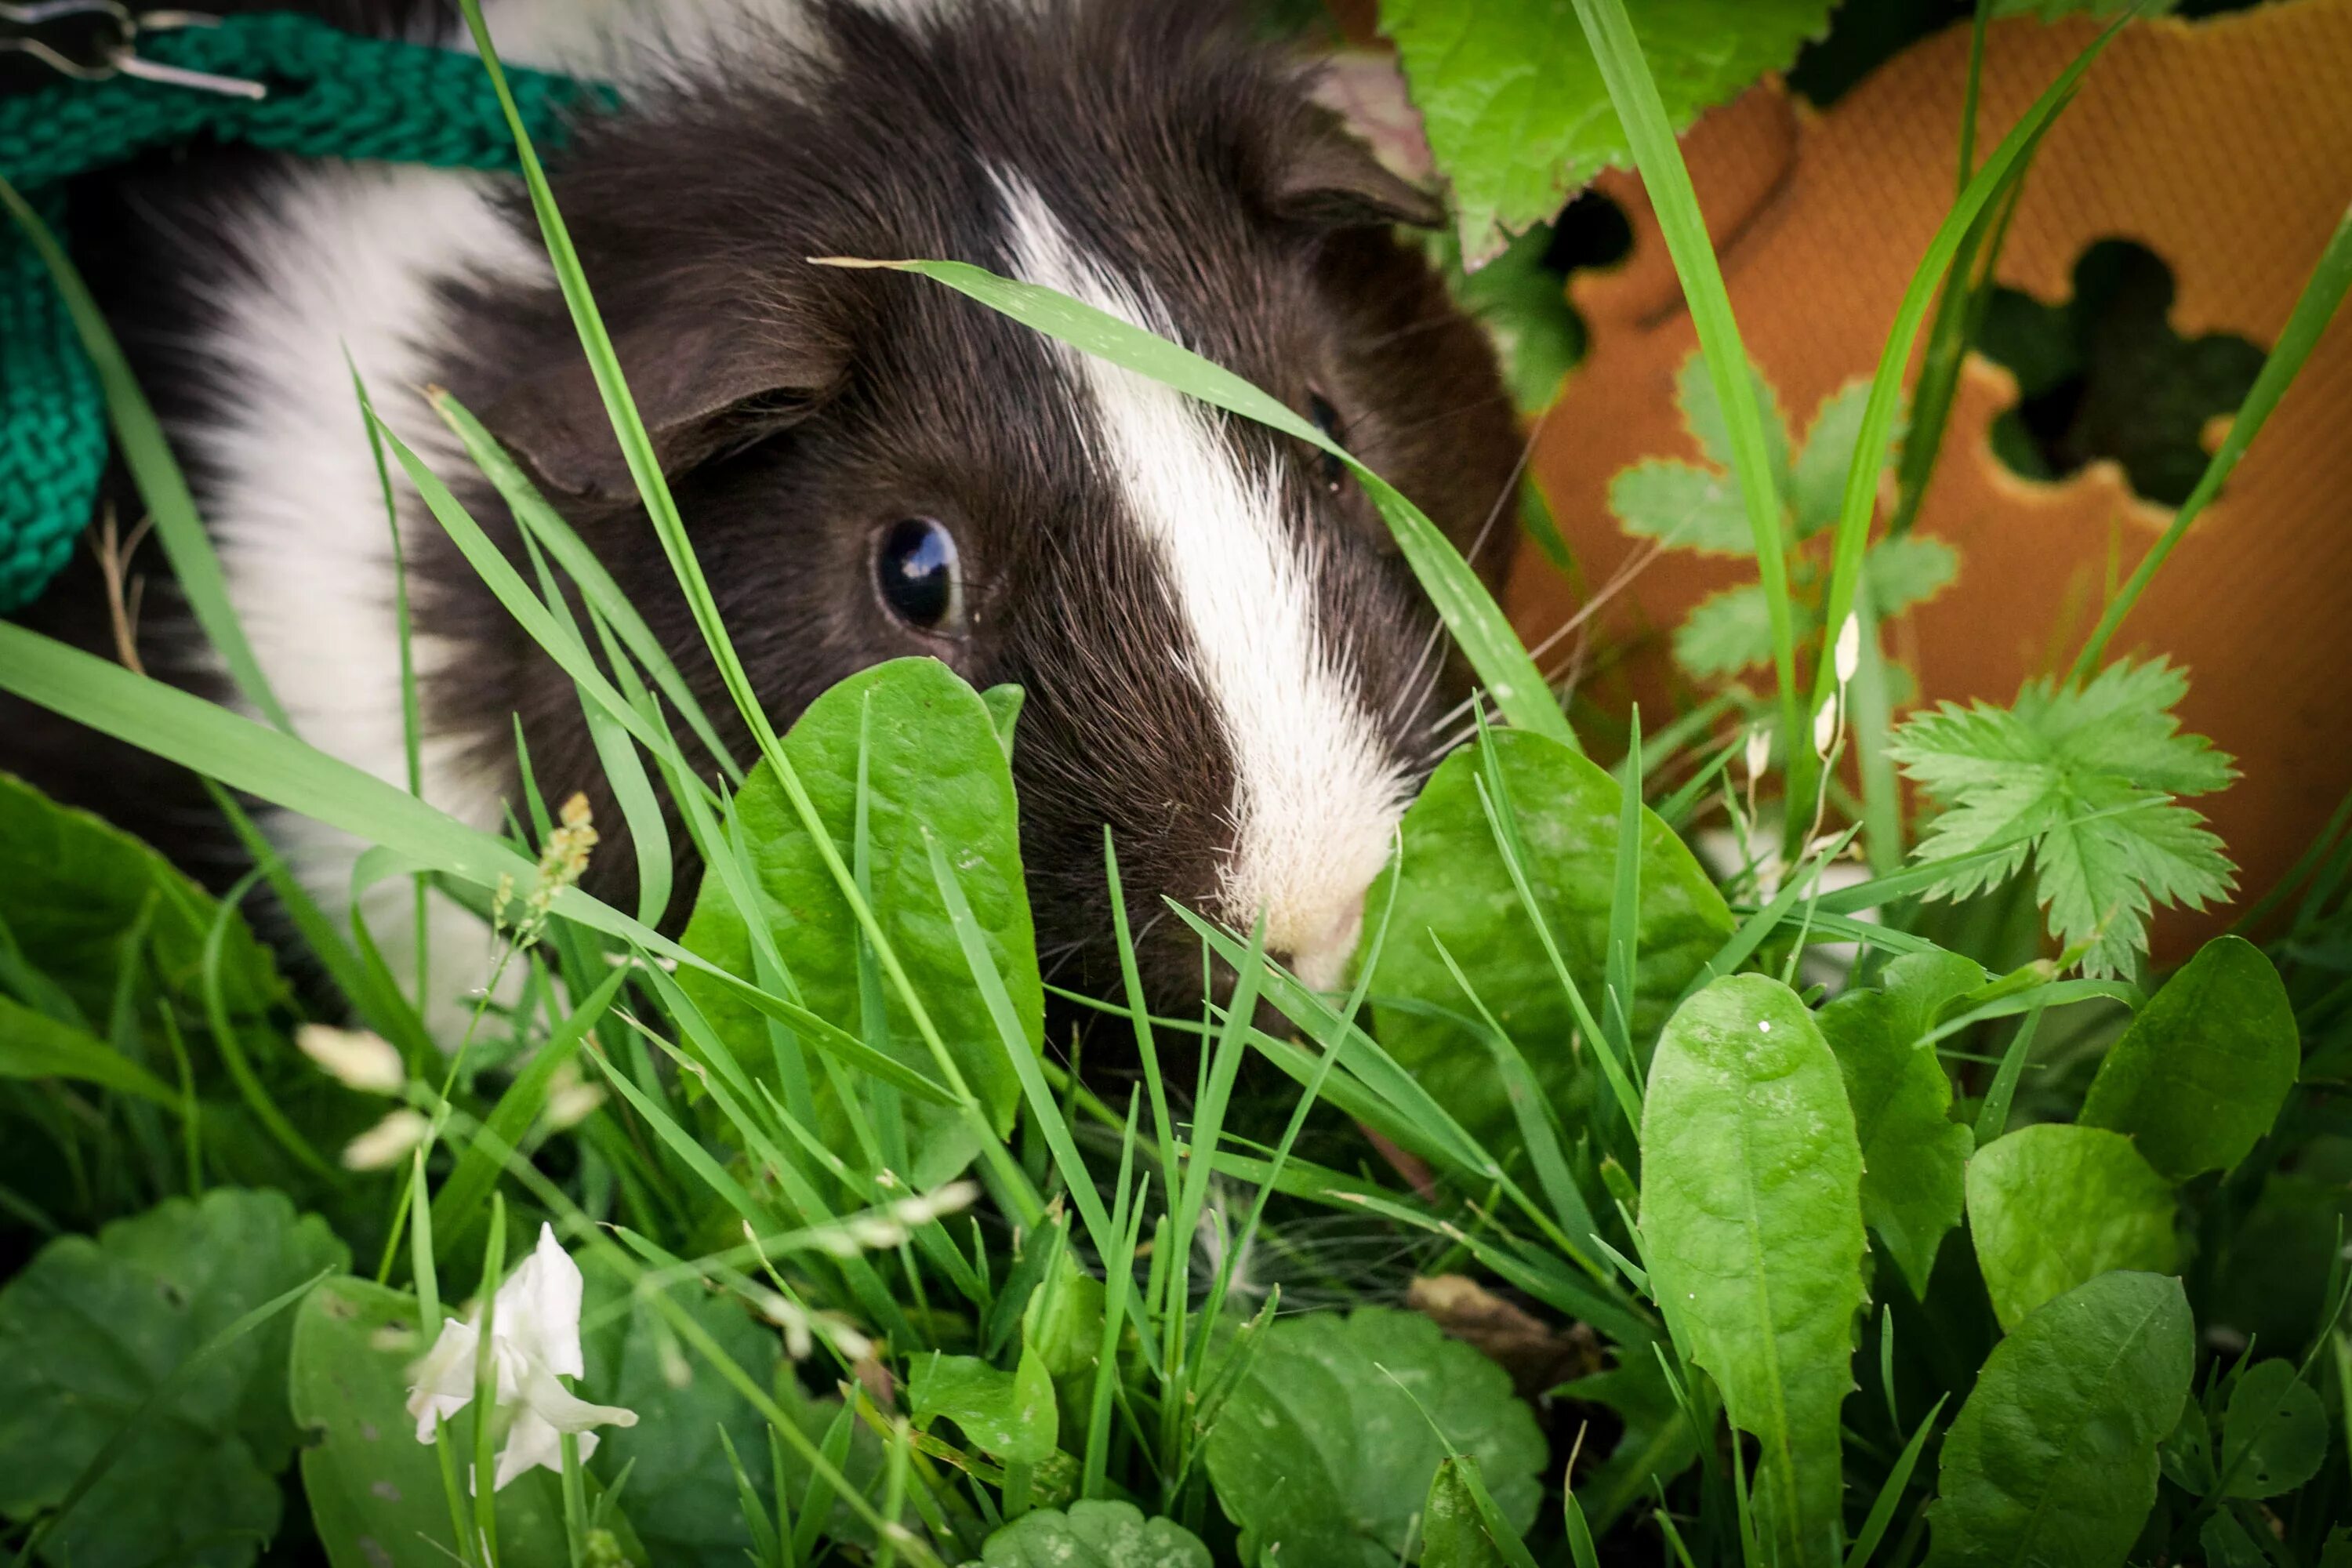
(93, 40)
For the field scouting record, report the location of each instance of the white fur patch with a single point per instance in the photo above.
(344, 256)
(1317, 794)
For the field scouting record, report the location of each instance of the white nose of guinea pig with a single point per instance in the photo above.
(1318, 955)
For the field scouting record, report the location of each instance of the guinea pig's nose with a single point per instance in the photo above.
(1318, 955)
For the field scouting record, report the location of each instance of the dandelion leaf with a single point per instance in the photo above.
(1751, 1223)
(2052, 1459)
(2200, 1076)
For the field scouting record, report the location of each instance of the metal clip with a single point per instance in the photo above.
(93, 40)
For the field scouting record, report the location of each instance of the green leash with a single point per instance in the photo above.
(283, 83)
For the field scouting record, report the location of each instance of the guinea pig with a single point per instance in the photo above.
(1227, 659)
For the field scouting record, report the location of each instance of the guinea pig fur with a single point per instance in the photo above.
(1227, 662)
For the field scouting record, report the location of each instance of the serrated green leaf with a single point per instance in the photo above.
(1817, 482)
(1751, 1223)
(1913, 1152)
(2052, 1458)
(91, 1326)
(934, 761)
(1325, 1453)
(2082, 778)
(1514, 105)
(2274, 1435)
(1452, 881)
(1683, 506)
(1911, 570)
(1725, 632)
(1703, 417)
(1094, 1535)
(2200, 1076)
(75, 885)
(1010, 1414)
(2053, 1205)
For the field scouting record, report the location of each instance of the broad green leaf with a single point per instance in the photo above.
(1451, 1533)
(1702, 413)
(1911, 570)
(2200, 1076)
(75, 885)
(1523, 305)
(376, 1492)
(2052, 1458)
(1063, 1324)
(2274, 1433)
(933, 761)
(1010, 1414)
(2053, 1205)
(2083, 779)
(1094, 1535)
(1325, 1452)
(1913, 1152)
(1751, 1223)
(681, 1496)
(1514, 109)
(1655, 1443)
(1725, 632)
(1683, 506)
(1454, 884)
(92, 1325)
(32, 1044)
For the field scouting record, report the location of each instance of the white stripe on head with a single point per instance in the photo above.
(1317, 792)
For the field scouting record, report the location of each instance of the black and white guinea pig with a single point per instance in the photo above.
(1227, 659)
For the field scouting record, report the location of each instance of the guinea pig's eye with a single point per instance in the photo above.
(1327, 419)
(917, 573)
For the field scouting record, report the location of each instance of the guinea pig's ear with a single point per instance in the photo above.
(701, 390)
(1357, 157)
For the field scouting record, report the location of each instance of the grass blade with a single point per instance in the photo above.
(544, 524)
(1469, 612)
(2005, 164)
(2313, 310)
(139, 438)
(470, 1184)
(1633, 92)
(1881, 1512)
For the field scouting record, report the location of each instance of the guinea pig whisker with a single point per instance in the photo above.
(1511, 485)
(1634, 566)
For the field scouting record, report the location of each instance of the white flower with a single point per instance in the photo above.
(1825, 726)
(388, 1141)
(1760, 752)
(570, 1100)
(534, 1343)
(355, 1058)
(1849, 649)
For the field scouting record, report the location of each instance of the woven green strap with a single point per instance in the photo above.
(332, 95)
